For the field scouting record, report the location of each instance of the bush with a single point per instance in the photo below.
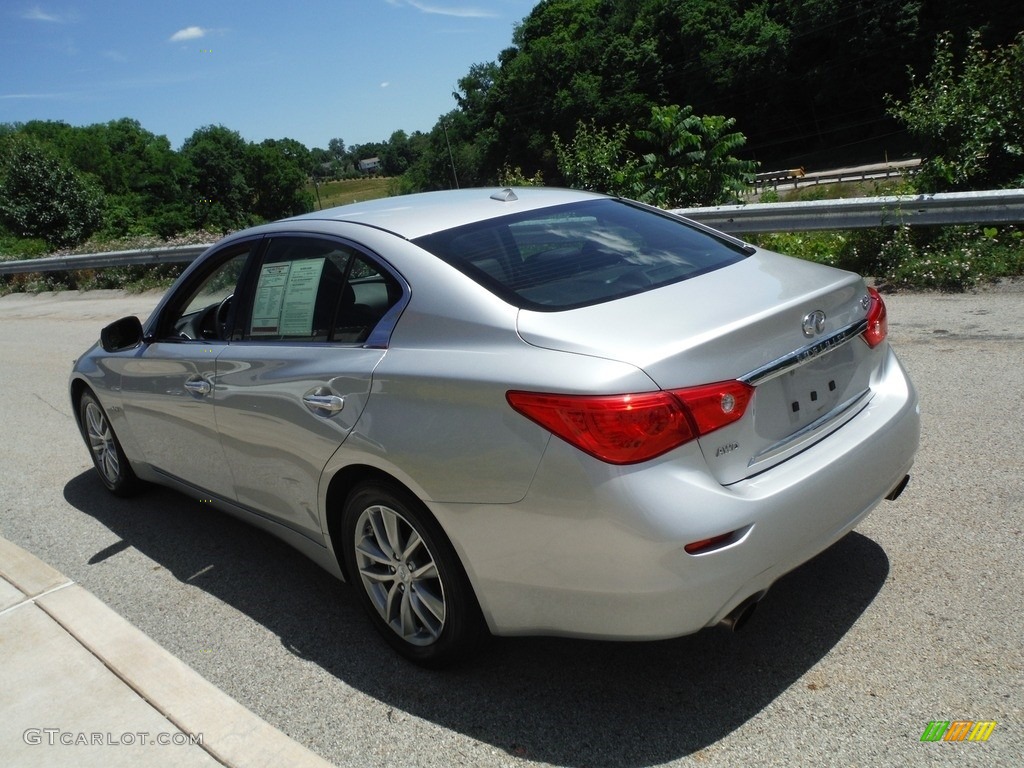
(930, 258)
(171, 220)
(12, 247)
(968, 117)
(952, 258)
(134, 279)
(43, 197)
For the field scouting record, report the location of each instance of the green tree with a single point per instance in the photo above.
(343, 160)
(799, 76)
(691, 162)
(472, 136)
(688, 160)
(219, 195)
(140, 174)
(474, 89)
(447, 157)
(138, 171)
(571, 60)
(514, 177)
(969, 117)
(321, 163)
(399, 153)
(597, 159)
(337, 149)
(55, 135)
(277, 173)
(42, 196)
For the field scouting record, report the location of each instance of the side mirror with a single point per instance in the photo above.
(121, 334)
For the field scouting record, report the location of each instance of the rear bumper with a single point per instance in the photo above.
(597, 551)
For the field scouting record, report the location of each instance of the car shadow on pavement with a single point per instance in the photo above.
(559, 701)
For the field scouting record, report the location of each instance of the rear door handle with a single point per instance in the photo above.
(323, 405)
(198, 386)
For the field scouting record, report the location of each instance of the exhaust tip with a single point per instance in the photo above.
(740, 615)
(900, 487)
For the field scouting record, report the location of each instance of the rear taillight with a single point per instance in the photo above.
(878, 321)
(715, 405)
(627, 429)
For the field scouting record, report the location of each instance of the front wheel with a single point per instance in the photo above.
(408, 577)
(107, 455)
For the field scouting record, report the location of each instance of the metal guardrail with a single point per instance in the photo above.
(795, 178)
(180, 254)
(1003, 206)
(859, 173)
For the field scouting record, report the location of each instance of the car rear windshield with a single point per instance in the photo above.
(581, 253)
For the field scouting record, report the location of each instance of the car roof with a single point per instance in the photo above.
(412, 216)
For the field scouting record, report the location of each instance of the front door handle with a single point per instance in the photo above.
(323, 404)
(198, 386)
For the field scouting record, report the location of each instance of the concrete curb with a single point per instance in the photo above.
(27, 572)
(231, 734)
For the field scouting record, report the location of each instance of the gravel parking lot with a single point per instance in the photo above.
(914, 617)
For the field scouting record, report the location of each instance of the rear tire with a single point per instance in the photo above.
(107, 455)
(408, 577)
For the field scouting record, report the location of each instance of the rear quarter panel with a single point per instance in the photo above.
(437, 417)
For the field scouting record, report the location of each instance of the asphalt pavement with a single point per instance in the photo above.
(913, 618)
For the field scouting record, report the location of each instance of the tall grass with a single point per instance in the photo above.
(332, 193)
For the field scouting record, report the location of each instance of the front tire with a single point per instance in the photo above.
(408, 576)
(107, 455)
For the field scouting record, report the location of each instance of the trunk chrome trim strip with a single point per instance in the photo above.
(805, 354)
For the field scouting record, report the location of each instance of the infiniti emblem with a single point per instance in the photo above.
(814, 323)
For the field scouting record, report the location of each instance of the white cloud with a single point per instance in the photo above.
(188, 33)
(461, 11)
(103, 88)
(114, 56)
(385, 84)
(35, 96)
(38, 14)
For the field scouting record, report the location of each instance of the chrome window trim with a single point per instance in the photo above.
(804, 354)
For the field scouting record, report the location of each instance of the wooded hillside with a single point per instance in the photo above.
(674, 102)
(800, 77)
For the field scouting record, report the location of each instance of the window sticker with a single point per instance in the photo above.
(285, 298)
(266, 312)
(300, 297)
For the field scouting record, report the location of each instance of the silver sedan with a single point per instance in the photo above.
(512, 412)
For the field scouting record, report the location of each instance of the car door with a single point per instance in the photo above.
(291, 389)
(167, 388)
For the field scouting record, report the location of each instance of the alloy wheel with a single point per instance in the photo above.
(400, 575)
(102, 444)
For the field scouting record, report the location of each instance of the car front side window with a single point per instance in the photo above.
(319, 290)
(203, 310)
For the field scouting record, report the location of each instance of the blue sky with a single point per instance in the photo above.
(312, 71)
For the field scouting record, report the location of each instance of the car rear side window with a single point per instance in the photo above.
(581, 253)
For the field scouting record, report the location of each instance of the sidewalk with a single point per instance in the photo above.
(80, 686)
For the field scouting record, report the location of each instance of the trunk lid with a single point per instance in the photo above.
(785, 325)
